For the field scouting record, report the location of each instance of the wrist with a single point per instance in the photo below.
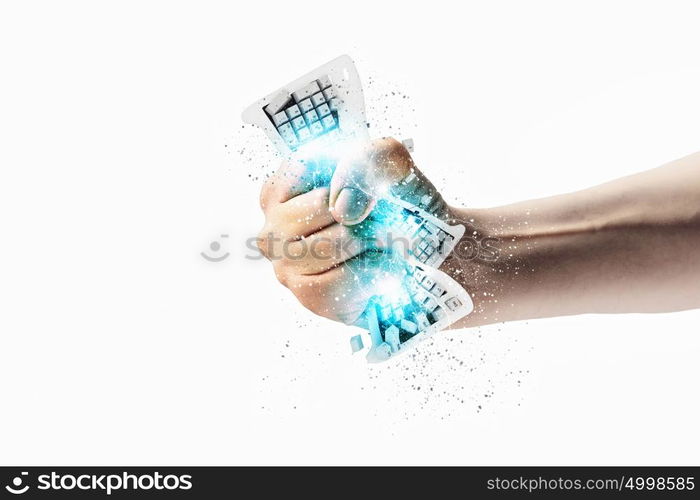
(490, 262)
(531, 259)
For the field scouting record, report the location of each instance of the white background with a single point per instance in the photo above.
(120, 135)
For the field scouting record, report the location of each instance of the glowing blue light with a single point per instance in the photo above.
(389, 286)
(385, 272)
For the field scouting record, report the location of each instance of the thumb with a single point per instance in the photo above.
(365, 175)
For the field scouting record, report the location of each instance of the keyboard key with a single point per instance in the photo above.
(434, 205)
(330, 93)
(328, 122)
(316, 128)
(306, 105)
(409, 178)
(432, 228)
(380, 353)
(422, 321)
(375, 334)
(280, 118)
(278, 103)
(323, 110)
(453, 304)
(304, 134)
(420, 295)
(409, 326)
(285, 130)
(385, 312)
(298, 122)
(412, 287)
(311, 116)
(318, 99)
(334, 104)
(324, 82)
(438, 291)
(293, 111)
(431, 260)
(306, 91)
(430, 304)
(356, 343)
(439, 314)
(288, 135)
(391, 337)
(428, 283)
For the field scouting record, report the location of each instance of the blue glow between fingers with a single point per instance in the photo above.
(385, 274)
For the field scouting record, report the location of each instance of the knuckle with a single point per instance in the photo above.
(398, 158)
(262, 200)
(388, 147)
(392, 144)
(266, 194)
(269, 186)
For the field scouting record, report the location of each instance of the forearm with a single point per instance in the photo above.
(632, 245)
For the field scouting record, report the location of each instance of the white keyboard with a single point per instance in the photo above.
(426, 301)
(306, 114)
(425, 237)
(324, 109)
(315, 111)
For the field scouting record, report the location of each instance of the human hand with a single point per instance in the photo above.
(316, 228)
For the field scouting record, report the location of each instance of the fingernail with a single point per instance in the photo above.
(351, 204)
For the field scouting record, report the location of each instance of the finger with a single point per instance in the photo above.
(342, 293)
(326, 249)
(301, 216)
(352, 196)
(363, 177)
(268, 192)
(292, 179)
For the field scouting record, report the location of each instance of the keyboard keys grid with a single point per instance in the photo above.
(414, 312)
(311, 111)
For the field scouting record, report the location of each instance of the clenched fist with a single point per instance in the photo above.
(317, 233)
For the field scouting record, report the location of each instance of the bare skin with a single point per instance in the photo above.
(631, 245)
